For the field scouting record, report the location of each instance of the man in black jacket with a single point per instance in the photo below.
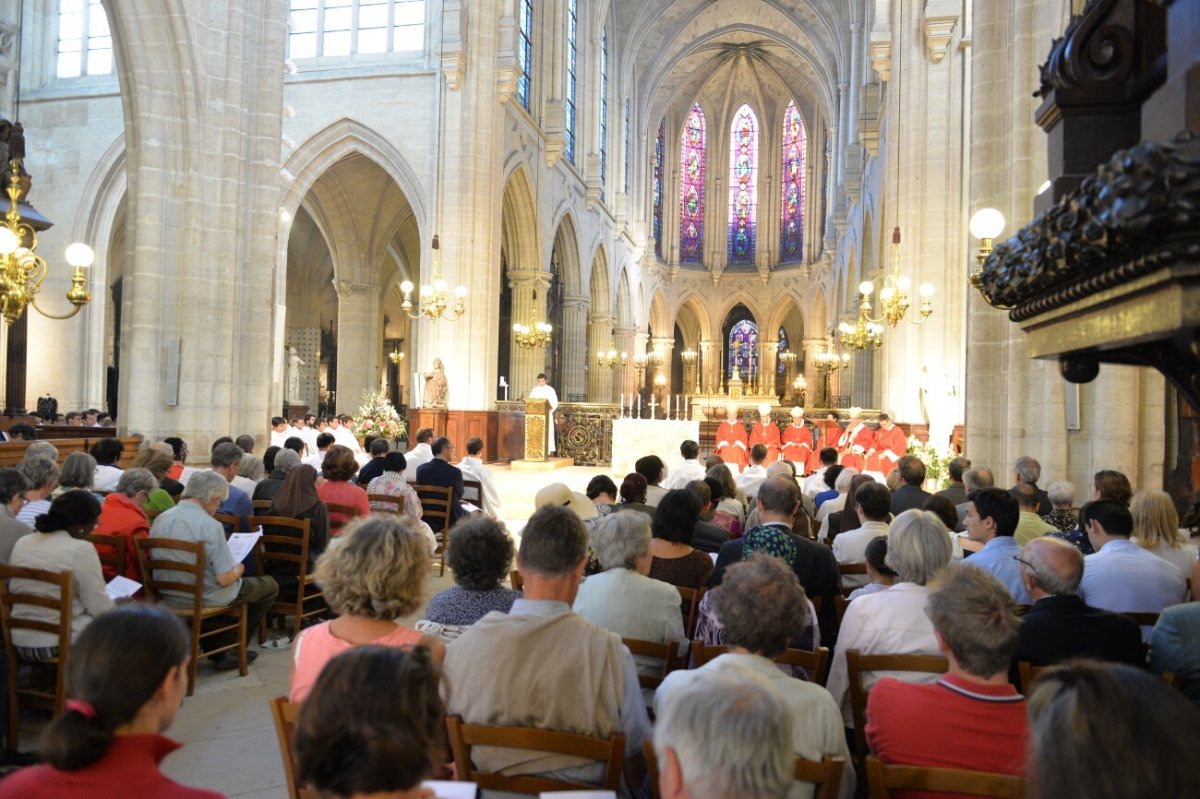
(910, 495)
(439, 472)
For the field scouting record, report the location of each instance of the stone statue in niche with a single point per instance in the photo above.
(436, 388)
(293, 376)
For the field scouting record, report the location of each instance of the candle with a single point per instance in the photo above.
(639, 410)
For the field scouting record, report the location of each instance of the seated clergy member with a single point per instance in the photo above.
(1060, 626)
(888, 448)
(855, 441)
(421, 453)
(691, 468)
(972, 718)
(731, 439)
(472, 468)
(991, 520)
(1122, 576)
(191, 520)
(724, 736)
(502, 675)
(872, 500)
(910, 494)
(798, 441)
(765, 432)
(440, 472)
(762, 607)
(1029, 524)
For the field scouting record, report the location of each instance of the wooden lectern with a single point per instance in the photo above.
(537, 428)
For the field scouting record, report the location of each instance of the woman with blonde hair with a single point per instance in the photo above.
(372, 576)
(1156, 528)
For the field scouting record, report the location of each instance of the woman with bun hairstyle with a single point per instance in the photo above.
(58, 544)
(126, 678)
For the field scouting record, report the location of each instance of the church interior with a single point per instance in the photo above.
(958, 214)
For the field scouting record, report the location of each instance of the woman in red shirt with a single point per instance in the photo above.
(122, 515)
(338, 469)
(127, 675)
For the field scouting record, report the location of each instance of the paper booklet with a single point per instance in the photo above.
(121, 587)
(242, 544)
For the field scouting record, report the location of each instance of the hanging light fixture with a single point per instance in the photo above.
(533, 335)
(22, 270)
(828, 361)
(434, 300)
(611, 358)
(396, 356)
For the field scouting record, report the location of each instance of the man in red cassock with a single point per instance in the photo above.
(731, 439)
(829, 430)
(855, 441)
(798, 441)
(766, 433)
(889, 447)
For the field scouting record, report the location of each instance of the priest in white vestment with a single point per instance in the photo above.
(544, 390)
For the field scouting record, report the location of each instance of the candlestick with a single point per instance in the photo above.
(639, 411)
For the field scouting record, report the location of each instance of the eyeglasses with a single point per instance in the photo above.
(1022, 560)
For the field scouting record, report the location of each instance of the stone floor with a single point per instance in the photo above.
(226, 728)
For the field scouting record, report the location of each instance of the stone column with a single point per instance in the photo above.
(710, 363)
(767, 350)
(625, 380)
(811, 347)
(576, 363)
(600, 339)
(526, 363)
(359, 343)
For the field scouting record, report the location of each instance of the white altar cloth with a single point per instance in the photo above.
(634, 438)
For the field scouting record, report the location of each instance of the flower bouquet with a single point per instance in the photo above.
(376, 417)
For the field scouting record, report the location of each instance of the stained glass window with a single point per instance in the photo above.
(791, 237)
(572, 31)
(603, 110)
(84, 41)
(349, 27)
(524, 49)
(691, 202)
(781, 367)
(743, 185)
(658, 186)
(743, 350)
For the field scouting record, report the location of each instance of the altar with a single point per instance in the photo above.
(635, 438)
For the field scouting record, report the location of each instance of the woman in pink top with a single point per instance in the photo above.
(371, 577)
(338, 469)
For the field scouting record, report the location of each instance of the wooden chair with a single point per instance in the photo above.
(1027, 673)
(386, 503)
(841, 603)
(1145, 619)
(286, 714)
(692, 596)
(668, 653)
(857, 663)
(850, 568)
(232, 522)
(473, 492)
(825, 774)
(285, 541)
(36, 691)
(463, 737)
(113, 554)
(436, 502)
(815, 663)
(260, 505)
(883, 779)
(347, 513)
(203, 622)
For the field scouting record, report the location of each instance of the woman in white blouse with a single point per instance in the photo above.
(1156, 528)
(57, 545)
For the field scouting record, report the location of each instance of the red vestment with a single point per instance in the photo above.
(797, 445)
(767, 435)
(853, 445)
(731, 443)
(829, 438)
(890, 446)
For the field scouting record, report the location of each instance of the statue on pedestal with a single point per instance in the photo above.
(437, 390)
(292, 394)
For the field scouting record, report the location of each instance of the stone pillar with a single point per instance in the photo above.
(600, 339)
(767, 351)
(526, 363)
(710, 367)
(576, 363)
(811, 347)
(359, 343)
(625, 380)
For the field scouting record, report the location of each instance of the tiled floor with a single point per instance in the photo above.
(226, 728)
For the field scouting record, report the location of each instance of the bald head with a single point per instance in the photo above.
(1052, 567)
(777, 498)
(1026, 496)
(976, 479)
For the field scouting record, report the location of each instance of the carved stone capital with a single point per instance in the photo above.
(938, 31)
(881, 58)
(347, 289)
(528, 279)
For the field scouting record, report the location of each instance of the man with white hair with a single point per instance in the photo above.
(731, 440)
(724, 736)
(1028, 471)
(855, 441)
(766, 433)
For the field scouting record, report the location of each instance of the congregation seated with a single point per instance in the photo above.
(1106, 484)
(624, 597)
(724, 736)
(268, 459)
(841, 485)
(893, 622)
(944, 510)
(814, 563)
(314, 459)
(1062, 499)
(872, 500)
(910, 494)
(480, 556)
(633, 495)
(706, 537)
(815, 483)
(973, 480)
(78, 473)
(371, 578)
(1027, 471)
(674, 559)
(655, 471)
(805, 511)
(251, 470)
(602, 491)
(847, 519)
(106, 451)
(1029, 524)
(42, 474)
(1156, 530)
(956, 492)
(298, 499)
(501, 674)
(438, 471)
(166, 491)
(57, 545)
(830, 491)
(753, 475)
(338, 469)
(391, 483)
(730, 513)
(285, 460)
(226, 460)
(179, 470)
(473, 468)
(992, 516)
(880, 576)
(373, 725)
(691, 468)
(122, 515)
(126, 677)
(1174, 644)
(13, 485)
(191, 521)
(1059, 625)
(971, 717)
(1121, 576)
(378, 450)
(1083, 713)
(762, 609)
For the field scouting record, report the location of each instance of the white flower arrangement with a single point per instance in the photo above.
(936, 460)
(376, 417)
